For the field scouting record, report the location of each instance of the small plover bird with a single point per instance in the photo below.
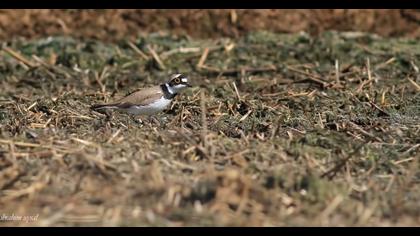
(148, 101)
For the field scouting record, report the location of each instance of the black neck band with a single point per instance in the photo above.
(166, 93)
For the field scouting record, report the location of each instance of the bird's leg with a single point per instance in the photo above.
(127, 121)
(108, 118)
(153, 119)
(157, 121)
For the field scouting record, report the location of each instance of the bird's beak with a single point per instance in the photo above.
(188, 85)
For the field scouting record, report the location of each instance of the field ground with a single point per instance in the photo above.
(279, 130)
(112, 25)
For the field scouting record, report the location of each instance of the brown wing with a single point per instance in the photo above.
(140, 97)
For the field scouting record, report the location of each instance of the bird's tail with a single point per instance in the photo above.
(102, 106)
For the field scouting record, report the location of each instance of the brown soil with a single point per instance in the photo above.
(113, 25)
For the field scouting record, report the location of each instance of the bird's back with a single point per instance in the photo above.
(140, 97)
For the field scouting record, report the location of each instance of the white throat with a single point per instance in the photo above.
(176, 88)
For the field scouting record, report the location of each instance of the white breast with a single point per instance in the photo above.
(152, 108)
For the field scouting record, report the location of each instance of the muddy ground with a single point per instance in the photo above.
(114, 25)
(279, 130)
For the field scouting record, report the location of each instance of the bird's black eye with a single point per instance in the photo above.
(177, 81)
